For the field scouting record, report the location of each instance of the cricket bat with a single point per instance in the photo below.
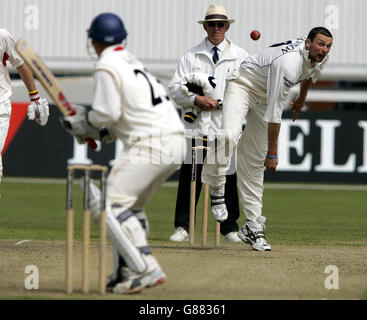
(47, 80)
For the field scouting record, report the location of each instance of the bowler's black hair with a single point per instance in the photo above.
(319, 30)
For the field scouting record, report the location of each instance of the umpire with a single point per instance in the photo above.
(216, 56)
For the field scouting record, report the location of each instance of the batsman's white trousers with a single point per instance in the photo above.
(239, 103)
(139, 170)
(5, 113)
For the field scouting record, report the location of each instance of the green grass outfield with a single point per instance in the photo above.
(297, 215)
(300, 216)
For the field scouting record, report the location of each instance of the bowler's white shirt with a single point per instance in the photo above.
(272, 72)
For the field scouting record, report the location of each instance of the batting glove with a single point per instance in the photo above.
(38, 110)
(79, 126)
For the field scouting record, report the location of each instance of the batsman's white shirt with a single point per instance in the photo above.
(7, 52)
(137, 110)
(140, 103)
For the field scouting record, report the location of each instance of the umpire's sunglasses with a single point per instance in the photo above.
(219, 24)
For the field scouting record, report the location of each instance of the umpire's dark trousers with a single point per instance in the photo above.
(182, 212)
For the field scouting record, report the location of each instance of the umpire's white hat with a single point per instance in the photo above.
(216, 13)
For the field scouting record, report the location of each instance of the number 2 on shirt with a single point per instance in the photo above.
(155, 100)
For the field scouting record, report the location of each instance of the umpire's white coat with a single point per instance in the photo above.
(199, 59)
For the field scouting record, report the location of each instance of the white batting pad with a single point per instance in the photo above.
(143, 220)
(126, 237)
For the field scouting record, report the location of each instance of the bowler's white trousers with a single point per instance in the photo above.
(141, 168)
(5, 112)
(240, 102)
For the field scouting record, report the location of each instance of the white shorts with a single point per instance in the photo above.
(5, 113)
(239, 104)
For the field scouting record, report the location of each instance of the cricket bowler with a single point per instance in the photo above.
(260, 94)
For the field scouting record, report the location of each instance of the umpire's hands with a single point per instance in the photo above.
(206, 103)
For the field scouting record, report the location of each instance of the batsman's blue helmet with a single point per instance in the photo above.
(107, 28)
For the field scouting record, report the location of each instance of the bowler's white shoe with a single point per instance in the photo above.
(253, 233)
(179, 235)
(232, 237)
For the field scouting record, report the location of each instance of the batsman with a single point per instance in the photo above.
(129, 104)
(38, 108)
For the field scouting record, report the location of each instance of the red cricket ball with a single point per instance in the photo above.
(255, 34)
